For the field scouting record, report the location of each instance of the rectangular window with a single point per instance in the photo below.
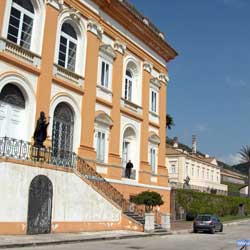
(187, 168)
(173, 169)
(153, 101)
(105, 74)
(100, 147)
(153, 160)
(198, 171)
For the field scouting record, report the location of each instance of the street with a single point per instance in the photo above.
(189, 241)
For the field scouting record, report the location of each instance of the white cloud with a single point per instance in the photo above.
(231, 159)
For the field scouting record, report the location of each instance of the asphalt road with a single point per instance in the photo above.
(189, 241)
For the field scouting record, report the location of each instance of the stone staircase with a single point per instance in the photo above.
(141, 220)
(22, 150)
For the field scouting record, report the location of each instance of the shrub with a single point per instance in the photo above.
(149, 199)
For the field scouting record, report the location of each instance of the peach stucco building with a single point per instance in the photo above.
(97, 68)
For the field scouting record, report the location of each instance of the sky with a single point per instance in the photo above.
(209, 88)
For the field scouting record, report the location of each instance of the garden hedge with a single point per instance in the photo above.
(196, 202)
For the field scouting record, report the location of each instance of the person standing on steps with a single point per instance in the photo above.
(129, 167)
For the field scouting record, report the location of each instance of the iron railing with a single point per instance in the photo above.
(23, 150)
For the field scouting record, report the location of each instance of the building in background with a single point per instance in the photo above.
(98, 71)
(203, 171)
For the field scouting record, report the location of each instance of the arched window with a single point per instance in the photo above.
(12, 111)
(11, 94)
(62, 131)
(21, 23)
(128, 85)
(68, 47)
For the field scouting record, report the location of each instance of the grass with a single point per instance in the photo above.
(233, 217)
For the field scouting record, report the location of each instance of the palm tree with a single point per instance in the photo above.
(169, 121)
(245, 158)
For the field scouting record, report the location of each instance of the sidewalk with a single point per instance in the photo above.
(12, 241)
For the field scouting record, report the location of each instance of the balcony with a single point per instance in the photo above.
(67, 75)
(132, 176)
(23, 54)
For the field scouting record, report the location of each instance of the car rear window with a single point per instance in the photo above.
(203, 218)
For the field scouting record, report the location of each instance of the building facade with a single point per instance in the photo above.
(184, 162)
(97, 69)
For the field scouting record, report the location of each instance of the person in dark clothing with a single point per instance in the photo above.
(129, 167)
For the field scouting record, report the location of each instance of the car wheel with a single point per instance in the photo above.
(212, 230)
(221, 229)
(195, 231)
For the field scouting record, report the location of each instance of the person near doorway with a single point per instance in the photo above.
(129, 167)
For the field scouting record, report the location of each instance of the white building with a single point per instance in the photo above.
(183, 162)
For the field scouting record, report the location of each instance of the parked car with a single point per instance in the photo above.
(207, 222)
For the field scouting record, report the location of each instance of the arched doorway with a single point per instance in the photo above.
(62, 131)
(129, 147)
(12, 112)
(40, 205)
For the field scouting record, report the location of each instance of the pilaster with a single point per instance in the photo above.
(2, 10)
(144, 177)
(89, 99)
(114, 143)
(162, 168)
(48, 49)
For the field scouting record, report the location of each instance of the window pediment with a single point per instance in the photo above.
(108, 51)
(155, 82)
(154, 138)
(102, 117)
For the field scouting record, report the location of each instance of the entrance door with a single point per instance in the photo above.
(40, 205)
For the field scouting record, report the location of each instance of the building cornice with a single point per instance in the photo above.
(117, 10)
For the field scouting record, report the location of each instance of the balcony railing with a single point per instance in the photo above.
(23, 150)
(19, 52)
(68, 75)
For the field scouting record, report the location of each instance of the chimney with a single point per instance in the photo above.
(175, 145)
(194, 144)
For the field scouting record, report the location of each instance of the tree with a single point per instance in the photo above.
(245, 158)
(149, 199)
(169, 121)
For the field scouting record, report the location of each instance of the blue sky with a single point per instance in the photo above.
(209, 89)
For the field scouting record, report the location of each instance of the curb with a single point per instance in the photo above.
(59, 242)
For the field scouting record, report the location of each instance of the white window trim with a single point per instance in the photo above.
(156, 111)
(103, 129)
(110, 73)
(137, 81)
(155, 148)
(69, 39)
(80, 29)
(38, 24)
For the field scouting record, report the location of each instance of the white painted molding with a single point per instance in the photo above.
(155, 82)
(58, 4)
(120, 47)
(148, 66)
(164, 78)
(108, 50)
(95, 28)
